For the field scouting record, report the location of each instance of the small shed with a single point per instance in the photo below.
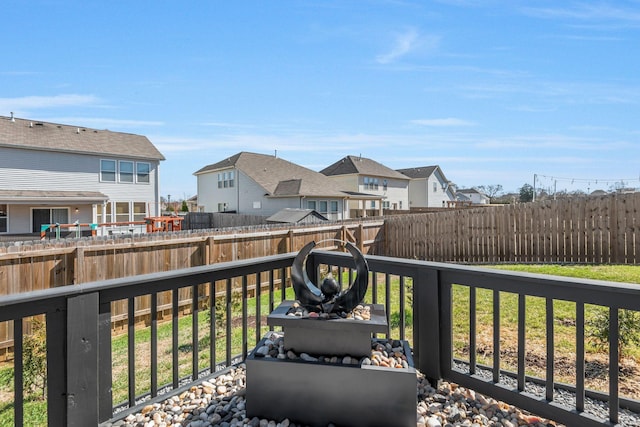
(297, 216)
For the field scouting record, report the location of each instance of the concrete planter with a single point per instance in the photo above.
(317, 394)
(343, 336)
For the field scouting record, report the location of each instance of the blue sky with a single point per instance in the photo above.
(492, 91)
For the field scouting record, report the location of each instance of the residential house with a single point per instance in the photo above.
(258, 184)
(297, 216)
(52, 173)
(364, 178)
(428, 188)
(473, 196)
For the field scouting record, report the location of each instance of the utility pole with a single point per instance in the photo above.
(534, 187)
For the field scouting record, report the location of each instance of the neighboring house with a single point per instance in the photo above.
(366, 177)
(258, 184)
(473, 196)
(297, 216)
(52, 173)
(428, 188)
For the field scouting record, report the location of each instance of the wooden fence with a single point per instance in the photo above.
(43, 264)
(581, 230)
(585, 230)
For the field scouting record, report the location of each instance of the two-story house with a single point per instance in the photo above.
(473, 196)
(259, 184)
(52, 173)
(428, 188)
(365, 176)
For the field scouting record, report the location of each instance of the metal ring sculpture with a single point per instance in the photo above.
(314, 299)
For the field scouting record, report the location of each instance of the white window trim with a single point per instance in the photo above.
(138, 174)
(115, 170)
(133, 172)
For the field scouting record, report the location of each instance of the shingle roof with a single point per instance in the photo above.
(278, 176)
(362, 166)
(35, 135)
(290, 215)
(51, 196)
(419, 172)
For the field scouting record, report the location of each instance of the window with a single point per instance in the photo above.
(322, 207)
(226, 179)
(311, 204)
(373, 204)
(400, 204)
(143, 171)
(385, 205)
(108, 170)
(139, 211)
(126, 171)
(435, 187)
(222, 207)
(371, 183)
(384, 185)
(4, 216)
(334, 206)
(122, 211)
(107, 210)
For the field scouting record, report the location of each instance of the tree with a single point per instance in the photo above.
(185, 207)
(628, 333)
(526, 193)
(491, 190)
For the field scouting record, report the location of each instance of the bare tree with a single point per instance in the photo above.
(491, 190)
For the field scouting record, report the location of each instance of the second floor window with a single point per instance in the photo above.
(226, 179)
(108, 170)
(371, 183)
(126, 171)
(142, 172)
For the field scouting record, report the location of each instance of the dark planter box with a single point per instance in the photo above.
(317, 394)
(344, 336)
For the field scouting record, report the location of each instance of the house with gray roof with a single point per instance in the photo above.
(54, 173)
(473, 196)
(259, 184)
(364, 176)
(428, 188)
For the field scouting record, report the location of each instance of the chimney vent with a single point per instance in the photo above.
(12, 119)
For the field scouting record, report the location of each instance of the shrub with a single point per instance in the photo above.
(35, 360)
(628, 330)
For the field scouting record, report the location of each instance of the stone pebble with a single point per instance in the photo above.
(221, 402)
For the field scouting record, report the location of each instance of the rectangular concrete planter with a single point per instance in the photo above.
(317, 394)
(344, 336)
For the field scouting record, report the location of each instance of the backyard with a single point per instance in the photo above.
(564, 331)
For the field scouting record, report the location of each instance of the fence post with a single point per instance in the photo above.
(82, 360)
(426, 327)
(56, 377)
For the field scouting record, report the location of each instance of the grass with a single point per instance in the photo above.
(564, 334)
(564, 328)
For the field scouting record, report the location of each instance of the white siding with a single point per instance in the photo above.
(418, 193)
(209, 195)
(39, 170)
(53, 171)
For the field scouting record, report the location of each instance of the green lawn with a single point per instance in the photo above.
(564, 333)
(564, 326)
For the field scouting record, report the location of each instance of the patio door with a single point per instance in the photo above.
(48, 216)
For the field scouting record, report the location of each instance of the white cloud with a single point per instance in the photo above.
(405, 43)
(104, 122)
(36, 102)
(447, 122)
